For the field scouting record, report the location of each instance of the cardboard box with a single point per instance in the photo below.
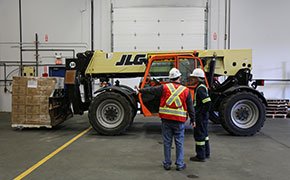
(44, 109)
(18, 99)
(31, 103)
(32, 109)
(33, 100)
(19, 109)
(18, 89)
(19, 81)
(70, 76)
(33, 91)
(18, 118)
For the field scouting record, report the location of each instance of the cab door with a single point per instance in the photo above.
(156, 73)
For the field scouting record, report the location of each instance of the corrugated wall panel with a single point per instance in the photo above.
(162, 28)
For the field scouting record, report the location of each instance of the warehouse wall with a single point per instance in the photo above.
(216, 24)
(216, 14)
(67, 25)
(263, 25)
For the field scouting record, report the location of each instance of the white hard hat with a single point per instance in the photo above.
(197, 73)
(174, 73)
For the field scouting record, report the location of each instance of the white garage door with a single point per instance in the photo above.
(162, 28)
(157, 29)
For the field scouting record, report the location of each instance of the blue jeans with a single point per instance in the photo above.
(172, 129)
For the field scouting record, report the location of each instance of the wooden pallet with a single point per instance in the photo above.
(21, 126)
(277, 112)
(284, 105)
(278, 100)
(274, 116)
(277, 108)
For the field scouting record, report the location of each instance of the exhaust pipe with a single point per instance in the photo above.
(211, 69)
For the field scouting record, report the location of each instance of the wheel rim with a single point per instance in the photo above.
(110, 113)
(244, 114)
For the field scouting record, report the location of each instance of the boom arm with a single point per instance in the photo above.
(228, 62)
(133, 64)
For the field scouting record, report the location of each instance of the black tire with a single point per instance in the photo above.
(243, 114)
(110, 113)
(134, 113)
(214, 116)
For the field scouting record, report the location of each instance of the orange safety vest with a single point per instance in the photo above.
(173, 102)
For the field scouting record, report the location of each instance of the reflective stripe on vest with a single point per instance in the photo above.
(204, 100)
(174, 95)
(200, 143)
(206, 138)
(176, 112)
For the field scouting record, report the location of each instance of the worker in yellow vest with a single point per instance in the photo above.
(202, 104)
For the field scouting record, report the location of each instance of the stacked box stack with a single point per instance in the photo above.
(31, 102)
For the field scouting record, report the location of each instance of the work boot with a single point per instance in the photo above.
(178, 168)
(194, 158)
(167, 167)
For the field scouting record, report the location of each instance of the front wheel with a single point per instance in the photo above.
(243, 114)
(110, 113)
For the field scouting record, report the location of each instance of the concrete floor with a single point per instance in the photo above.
(138, 153)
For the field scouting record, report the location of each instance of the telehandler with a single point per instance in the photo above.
(236, 104)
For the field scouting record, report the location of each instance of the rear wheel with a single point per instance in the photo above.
(243, 114)
(110, 113)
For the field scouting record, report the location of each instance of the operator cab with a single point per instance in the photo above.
(157, 74)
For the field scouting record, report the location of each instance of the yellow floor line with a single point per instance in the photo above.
(35, 166)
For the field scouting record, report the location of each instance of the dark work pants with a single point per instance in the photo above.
(201, 136)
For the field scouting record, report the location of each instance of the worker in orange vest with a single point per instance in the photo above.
(175, 106)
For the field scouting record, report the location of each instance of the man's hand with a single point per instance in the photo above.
(193, 124)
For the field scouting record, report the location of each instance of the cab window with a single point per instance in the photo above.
(186, 66)
(159, 70)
